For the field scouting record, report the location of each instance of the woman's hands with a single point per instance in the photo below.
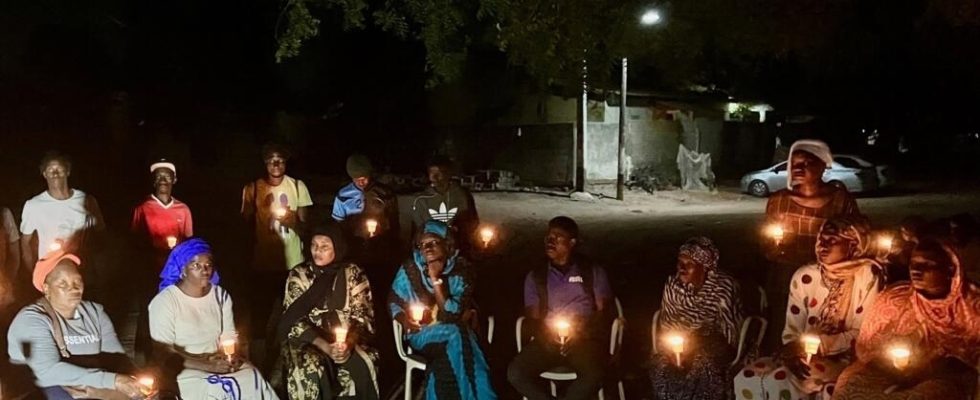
(339, 352)
(222, 364)
(792, 357)
(128, 386)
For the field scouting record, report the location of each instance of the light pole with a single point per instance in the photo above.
(649, 17)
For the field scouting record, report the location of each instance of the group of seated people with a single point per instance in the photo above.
(851, 332)
(853, 329)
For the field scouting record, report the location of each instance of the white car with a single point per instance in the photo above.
(851, 172)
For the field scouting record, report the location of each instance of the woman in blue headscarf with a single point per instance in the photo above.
(193, 331)
(439, 280)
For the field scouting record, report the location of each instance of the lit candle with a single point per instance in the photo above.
(55, 245)
(486, 234)
(900, 356)
(280, 212)
(811, 345)
(171, 241)
(563, 328)
(228, 347)
(372, 227)
(418, 311)
(776, 232)
(676, 343)
(885, 243)
(146, 384)
(340, 333)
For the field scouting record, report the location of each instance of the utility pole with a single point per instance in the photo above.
(620, 173)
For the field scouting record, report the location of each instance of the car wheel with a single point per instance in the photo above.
(758, 188)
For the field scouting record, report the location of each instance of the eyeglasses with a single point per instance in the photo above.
(429, 244)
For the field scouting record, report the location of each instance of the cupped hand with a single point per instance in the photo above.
(128, 386)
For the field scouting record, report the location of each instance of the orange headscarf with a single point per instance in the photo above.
(45, 265)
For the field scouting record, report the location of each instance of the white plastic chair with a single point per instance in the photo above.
(415, 361)
(562, 374)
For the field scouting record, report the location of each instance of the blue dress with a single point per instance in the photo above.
(456, 367)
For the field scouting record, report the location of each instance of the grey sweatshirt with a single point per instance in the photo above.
(30, 342)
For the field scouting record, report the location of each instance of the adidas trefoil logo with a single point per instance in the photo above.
(443, 215)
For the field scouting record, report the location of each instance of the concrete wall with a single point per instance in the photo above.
(542, 155)
(601, 163)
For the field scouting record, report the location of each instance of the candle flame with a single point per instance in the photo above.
(280, 212)
(55, 246)
(486, 234)
(418, 311)
(885, 242)
(775, 231)
(372, 226)
(171, 241)
(340, 334)
(900, 356)
(563, 327)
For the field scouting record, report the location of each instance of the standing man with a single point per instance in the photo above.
(568, 287)
(446, 201)
(161, 222)
(59, 218)
(278, 206)
(368, 211)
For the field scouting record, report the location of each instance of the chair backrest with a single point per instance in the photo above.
(399, 334)
(756, 339)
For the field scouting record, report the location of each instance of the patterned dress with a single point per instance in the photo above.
(710, 317)
(943, 335)
(456, 367)
(810, 294)
(306, 365)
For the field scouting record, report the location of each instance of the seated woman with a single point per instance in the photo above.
(438, 279)
(188, 319)
(937, 317)
(827, 300)
(322, 295)
(701, 303)
(68, 343)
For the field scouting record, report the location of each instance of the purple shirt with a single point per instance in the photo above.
(566, 294)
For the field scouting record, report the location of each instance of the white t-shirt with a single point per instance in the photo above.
(59, 219)
(193, 324)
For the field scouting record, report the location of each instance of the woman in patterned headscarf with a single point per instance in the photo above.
(937, 316)
(701, 303)
(828, 299)
(322, 294)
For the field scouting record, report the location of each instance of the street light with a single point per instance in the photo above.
(650, 17)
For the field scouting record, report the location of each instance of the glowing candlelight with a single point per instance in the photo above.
(55, 245)
(885, 243)
(776, 232)
(486, 234)
(228, 347)
(563, 328)
(900, 356)
(340, 334)
(811, 345)
(146, 384)
(676, 343)
(280, 212)
(417, 311)
(171, 241)
(372, 227)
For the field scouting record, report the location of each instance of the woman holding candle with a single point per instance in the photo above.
(935, 318)
(702, 312)
(190, 320)
(68, 344)
(828, 301)
(441, 281)
(327, 323)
